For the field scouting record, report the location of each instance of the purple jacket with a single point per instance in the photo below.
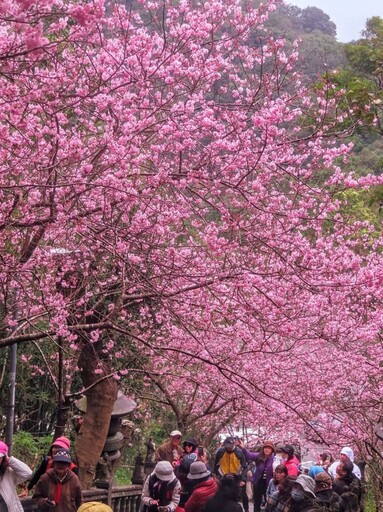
(260, 466)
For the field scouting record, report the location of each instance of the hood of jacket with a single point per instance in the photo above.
(53, 476)
(348, 452)
(324, 496)
(210, 483)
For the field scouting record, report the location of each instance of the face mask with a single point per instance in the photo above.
(297, 495)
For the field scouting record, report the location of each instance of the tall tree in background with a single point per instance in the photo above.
(165, 189)
(363, 77)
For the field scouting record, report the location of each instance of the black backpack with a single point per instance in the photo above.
(186, 462)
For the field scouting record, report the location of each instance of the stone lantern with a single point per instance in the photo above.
(115, 440)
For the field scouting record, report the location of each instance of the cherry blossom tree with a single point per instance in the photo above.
(169, 188)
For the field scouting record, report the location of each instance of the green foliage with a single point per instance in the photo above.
(361, 57)
(26, 447)
(295, 21)
(357, 206)
(319, 50)
(367, 156)
(369, 503)
(313, 19)
(363, 77)
(123, 476)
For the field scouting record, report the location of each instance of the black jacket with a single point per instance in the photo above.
(350, 490)
(328, 500)
(216, 504)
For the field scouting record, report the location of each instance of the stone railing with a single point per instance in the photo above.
(123, 499)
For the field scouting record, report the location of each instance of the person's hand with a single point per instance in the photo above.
(154, 502)
(50, 503)
(241, 484)
(24, 493)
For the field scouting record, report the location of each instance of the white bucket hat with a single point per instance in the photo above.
(164, 471)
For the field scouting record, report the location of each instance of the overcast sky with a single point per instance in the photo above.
(349, 16)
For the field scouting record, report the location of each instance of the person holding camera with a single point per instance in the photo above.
(59, 488)
(161, 491)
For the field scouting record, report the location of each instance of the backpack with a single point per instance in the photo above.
(186, 462)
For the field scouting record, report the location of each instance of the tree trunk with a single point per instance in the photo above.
(100, 401)
(62, 417)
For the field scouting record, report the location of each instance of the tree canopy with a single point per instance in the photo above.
(170, 188)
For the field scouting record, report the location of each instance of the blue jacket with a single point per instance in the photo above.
(260, 466)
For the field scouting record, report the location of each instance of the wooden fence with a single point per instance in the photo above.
(123, 499)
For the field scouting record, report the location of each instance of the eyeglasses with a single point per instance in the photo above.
(189, 445)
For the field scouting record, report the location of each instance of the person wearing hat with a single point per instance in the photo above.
(94, 506)
(315, 470)
(326, 496)
(230, 460)
(290, 460)
(59, 488)
(171, 450)
(12, 473)
(161, 489)
(263, 471)
(182, 468)
(47, 462)
(204, 487)
(346, 453)
(303, 496)
(189, 455)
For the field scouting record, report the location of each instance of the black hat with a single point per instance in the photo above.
(62, 456)
(190, 440)
(287, 448)
(229, 440)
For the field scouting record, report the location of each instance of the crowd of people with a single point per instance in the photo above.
(184, 481)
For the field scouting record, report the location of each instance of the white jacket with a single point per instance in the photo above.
(332, 470)
(16, 473)
(349, 452)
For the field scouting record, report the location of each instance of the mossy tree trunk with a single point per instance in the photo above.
(101, 396)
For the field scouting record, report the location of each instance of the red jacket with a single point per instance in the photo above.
(201, 494)
(292, 466)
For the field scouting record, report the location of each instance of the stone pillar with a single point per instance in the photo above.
(150, 460)
(138, 476)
